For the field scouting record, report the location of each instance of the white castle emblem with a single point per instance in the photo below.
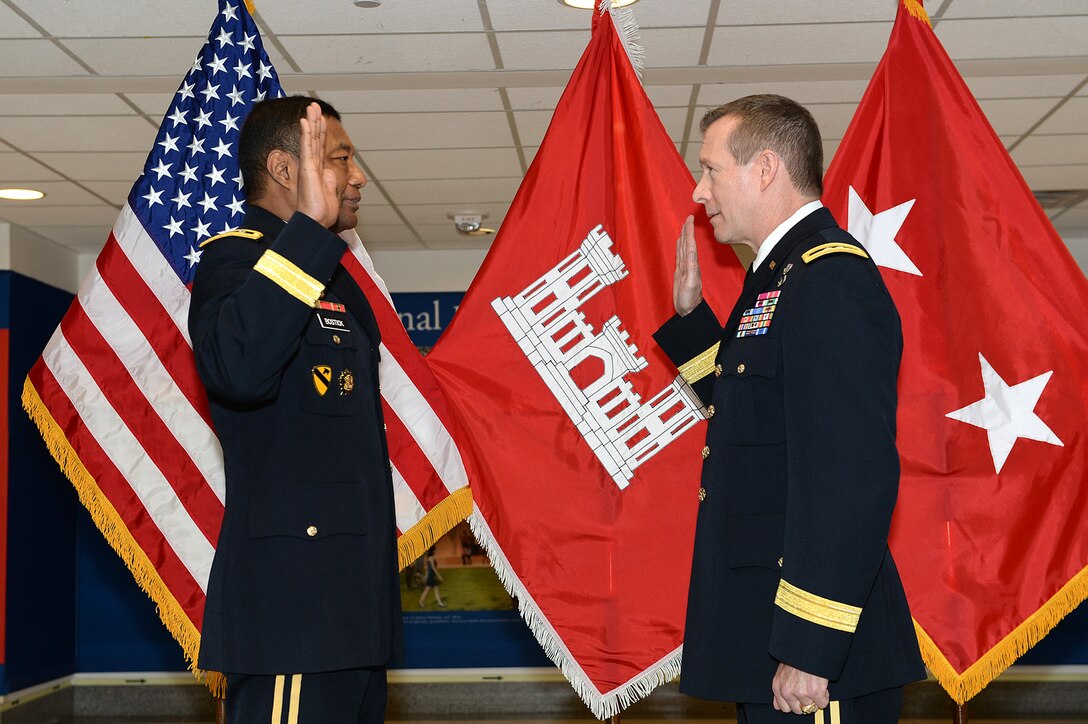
(544, 319)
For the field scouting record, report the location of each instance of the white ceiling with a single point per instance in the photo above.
(448, 100)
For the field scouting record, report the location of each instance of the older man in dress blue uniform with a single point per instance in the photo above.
(303, 606)
(795, 606)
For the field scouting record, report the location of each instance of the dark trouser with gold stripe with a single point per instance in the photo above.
(354, 696)
(882, 707)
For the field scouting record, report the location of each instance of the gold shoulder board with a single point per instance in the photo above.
(834, 247)
(244, 233)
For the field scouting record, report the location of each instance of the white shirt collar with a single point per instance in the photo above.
(780, 231)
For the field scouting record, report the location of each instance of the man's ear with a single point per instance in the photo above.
(279, 166)
(769, 165)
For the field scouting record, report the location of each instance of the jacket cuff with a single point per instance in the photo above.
(691, 342)
(812, 633)
(302, 259)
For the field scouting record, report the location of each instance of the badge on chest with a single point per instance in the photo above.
(757, 320)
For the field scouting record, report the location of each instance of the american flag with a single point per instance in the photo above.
(116, 395)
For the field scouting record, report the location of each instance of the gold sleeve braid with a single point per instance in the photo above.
(816, 609)
(700, 366)
(289, 277)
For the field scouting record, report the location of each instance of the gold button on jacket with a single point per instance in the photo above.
(311, 531)
(740, 369)
(710, 411)
(717, 370)
(702, 494)
(706, 452)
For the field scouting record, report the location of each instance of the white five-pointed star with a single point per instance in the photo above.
(174, 227)
(877, 233)
(1007, 413)
(218, 65)
(201, 229)
(186, 90)
(178, 116)
(209, 202)
(230, 123)
(222, 148)
(236, 97)
(215, 176)
(188, 173)
(152, 198)
(193, 257)
(259, 97)
(235, 206)
(229, 12)
(242, 69)
(238, 179)
(224, 38)
(169, 143)
(212, 91)
(195, 146)
(246, 43)
(203, 119)
(264, 71)
(181, 200)
(163, 169)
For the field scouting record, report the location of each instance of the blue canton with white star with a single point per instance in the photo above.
(191, 188)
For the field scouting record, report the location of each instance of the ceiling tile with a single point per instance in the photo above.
(455, 192)
(669, 96)
(14, 26)
(119, 18)
(446, 163)
(446, 16)
(63, 104)
(669, 13)
(1053, 178)
(383, 131)
(1011, 116)
(542, 51)
(550, 15)
(1072, 117)
(1014, 37)
(114, 191)
(534, 99)
(1074, 223)
(799, 44)
(1023, 86)
(1013, 8)
(1036, 150)
(101, 215)
(140, 56)
(373, 216)
(83, 133)
(532, 125)
(410, 101)
(36, 58)
(832, 118)
(674, 119)
(390, 53)
(444, 236)
(15, 168)
(816, 91)
(786, 12)
(155, 105)
(97, 166)
(436, 214)
(379, 233)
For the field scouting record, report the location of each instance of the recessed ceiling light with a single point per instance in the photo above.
(592, 4)
(21, 194)
(368, 3)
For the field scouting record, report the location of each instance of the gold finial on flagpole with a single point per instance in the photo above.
(250, 6)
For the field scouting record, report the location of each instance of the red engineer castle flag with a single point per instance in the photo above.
(990, 532)
(584, 444)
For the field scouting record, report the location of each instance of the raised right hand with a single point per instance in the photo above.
(317, 196)
(687, 283)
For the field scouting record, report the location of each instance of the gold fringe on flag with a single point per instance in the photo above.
(916, 10)
(441, 519)
(251, 6)
(978, 676)
(115, 531)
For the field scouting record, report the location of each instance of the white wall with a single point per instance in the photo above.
(34, 256)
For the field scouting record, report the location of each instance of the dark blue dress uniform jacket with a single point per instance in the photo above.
(800, 476)
(305, 573)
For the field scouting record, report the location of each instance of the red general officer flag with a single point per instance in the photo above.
(989, 533)
(584, 445)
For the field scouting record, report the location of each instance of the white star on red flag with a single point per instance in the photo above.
(877, 233)
(1007, 412)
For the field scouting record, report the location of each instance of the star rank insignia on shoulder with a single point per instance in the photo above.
(244, 233)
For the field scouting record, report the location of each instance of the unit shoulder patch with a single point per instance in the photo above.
(244, 233)
(834, 247)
